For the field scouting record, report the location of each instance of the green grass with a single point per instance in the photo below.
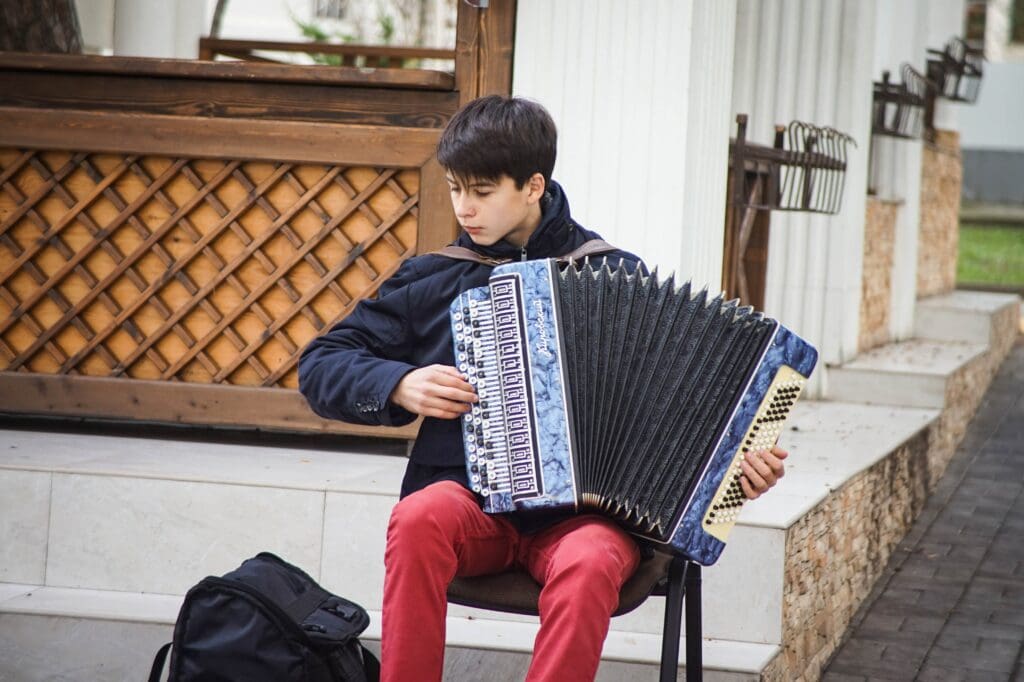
(991, 254)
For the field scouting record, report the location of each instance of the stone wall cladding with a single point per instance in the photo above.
(938, 236)
(876, 282)
(835, 553)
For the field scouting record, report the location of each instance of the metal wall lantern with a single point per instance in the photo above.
(956, 71)
(804, 170)
(899, 109)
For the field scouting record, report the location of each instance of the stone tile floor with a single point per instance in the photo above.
(950, 604)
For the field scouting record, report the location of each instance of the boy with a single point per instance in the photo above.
(391, 359)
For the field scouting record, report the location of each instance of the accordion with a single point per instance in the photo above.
(610, 391)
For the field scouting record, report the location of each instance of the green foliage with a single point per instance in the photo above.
(386, 32)
(990, 254)
(312, 31)
(317, 34)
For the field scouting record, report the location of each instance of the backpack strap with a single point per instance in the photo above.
(592, 247)
(158, 663)
(462, 253)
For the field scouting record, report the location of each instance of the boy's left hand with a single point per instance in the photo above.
(761, 471)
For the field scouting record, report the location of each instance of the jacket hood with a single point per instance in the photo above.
(551, 237)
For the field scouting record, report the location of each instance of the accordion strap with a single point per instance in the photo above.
(594, 247)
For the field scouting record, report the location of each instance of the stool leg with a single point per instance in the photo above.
(694, 633)
(673, 621)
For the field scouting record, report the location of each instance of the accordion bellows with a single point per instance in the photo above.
(616, 392)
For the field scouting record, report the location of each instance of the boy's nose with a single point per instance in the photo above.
(463, 209)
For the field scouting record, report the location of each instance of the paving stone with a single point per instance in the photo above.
(876, 670)
(931, 625)
(904, 653)
(842, 677)
(882, 622)
(968, 624)
(957, 571)
(929, 673)
(920, 639)
(919, 568)
(995, 662)
(956, 641)
(1008, 615)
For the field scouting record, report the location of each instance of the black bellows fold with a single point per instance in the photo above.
(654, 372)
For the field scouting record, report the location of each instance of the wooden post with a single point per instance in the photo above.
(484, 43)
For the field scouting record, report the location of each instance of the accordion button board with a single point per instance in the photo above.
(622, 394)
(763, 434)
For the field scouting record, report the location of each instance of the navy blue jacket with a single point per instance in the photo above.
(349, 372)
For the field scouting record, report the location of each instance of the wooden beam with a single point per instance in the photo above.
(243, 71)
(217, 138)
(174, 402)
(219, 45)
(228, 98)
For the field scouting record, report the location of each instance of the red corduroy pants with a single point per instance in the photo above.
(440, 532)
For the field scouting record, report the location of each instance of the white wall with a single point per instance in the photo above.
(639, 90)
(998, 47)
(994, 121)
(812, 60)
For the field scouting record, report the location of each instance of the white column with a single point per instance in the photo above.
(945, 21)
(639, 90)
(901, 36)
(96, 18)
(811, 60)
(149, 28)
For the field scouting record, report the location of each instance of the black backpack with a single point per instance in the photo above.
(267, 620)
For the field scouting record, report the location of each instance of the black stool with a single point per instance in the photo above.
(660, 574)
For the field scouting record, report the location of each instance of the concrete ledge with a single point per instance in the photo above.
(86, 606)
(965, 316)
(170, 460)
(910, 374)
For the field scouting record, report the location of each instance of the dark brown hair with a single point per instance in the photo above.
(494, 136)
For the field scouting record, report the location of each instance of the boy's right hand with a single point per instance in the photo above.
(435, 391)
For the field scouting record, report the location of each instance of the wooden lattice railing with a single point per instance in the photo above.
(173, 233)
(191, 270)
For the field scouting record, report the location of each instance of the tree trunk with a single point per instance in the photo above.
(39, 26)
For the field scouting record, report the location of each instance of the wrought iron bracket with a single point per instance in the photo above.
(956, 71)
(804, 170)
(900, 109)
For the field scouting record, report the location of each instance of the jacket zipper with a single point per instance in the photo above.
(522, 252)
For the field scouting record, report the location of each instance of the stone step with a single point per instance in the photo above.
(916, 373)
(109, 635)
(967, 316)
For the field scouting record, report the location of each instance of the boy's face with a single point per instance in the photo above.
(492, 210)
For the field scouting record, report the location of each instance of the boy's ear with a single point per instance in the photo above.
(535, 185)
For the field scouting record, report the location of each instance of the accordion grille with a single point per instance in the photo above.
(654, 372)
